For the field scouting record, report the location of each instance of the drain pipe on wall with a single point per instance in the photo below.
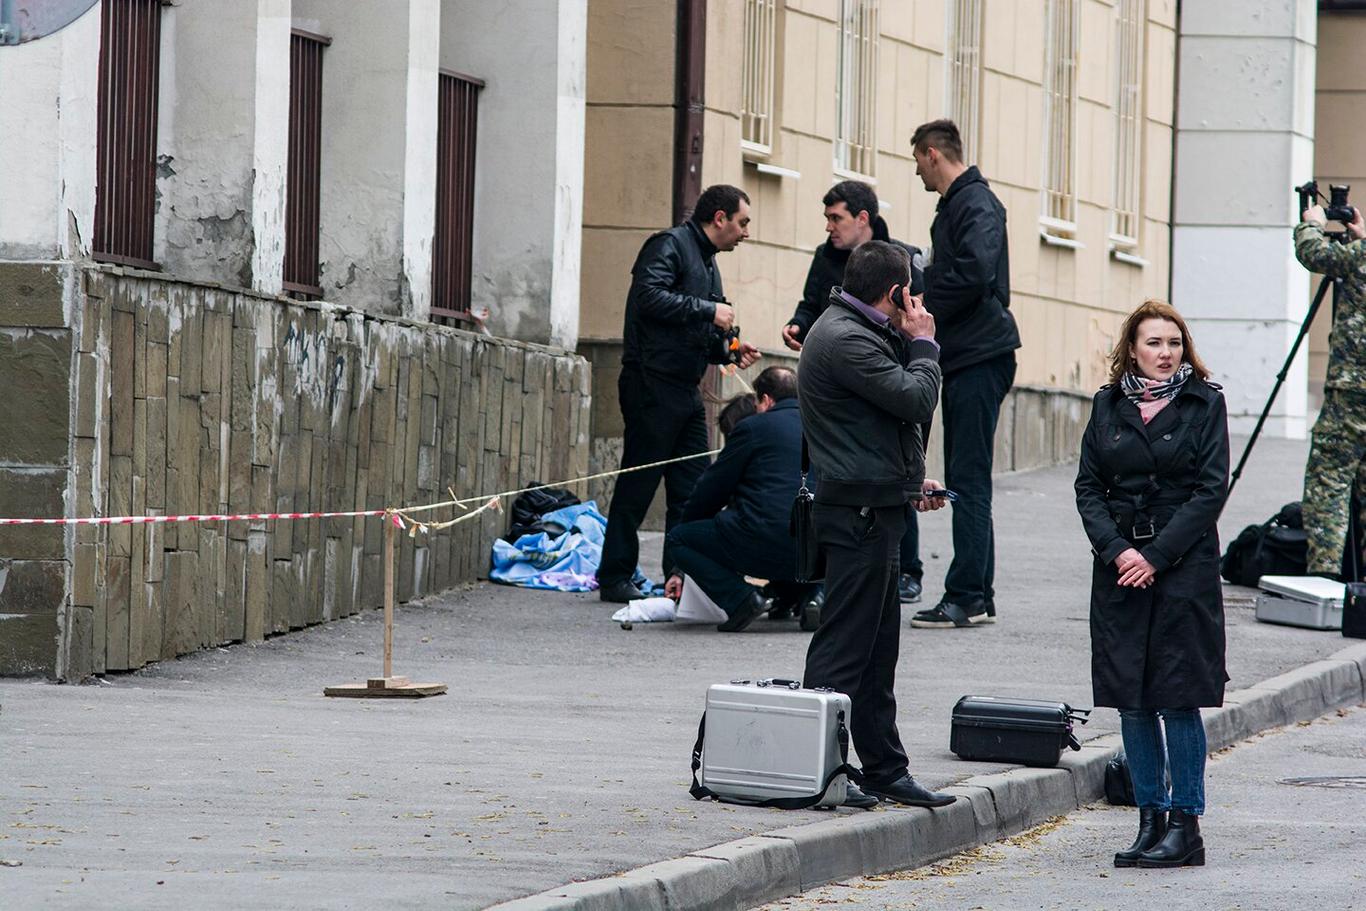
(690, 68)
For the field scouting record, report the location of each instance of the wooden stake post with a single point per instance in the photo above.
(387, 686)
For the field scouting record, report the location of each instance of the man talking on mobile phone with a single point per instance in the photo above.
(867, 382)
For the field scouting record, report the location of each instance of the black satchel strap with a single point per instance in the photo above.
(806, 460)
(699, 792)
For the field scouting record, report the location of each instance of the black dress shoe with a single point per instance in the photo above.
(905, 790)
(744, 615)
(1152, 825)
(948, 615)
(908, 589)
(854, 797)
(809, 611)
(620, 592)
(1182, 846)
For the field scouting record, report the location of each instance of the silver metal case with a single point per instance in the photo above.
(1308, 601)
(771, 738)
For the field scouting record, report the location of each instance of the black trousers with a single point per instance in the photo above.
(663, 421)
(855, 649)
(971, 402)
(713, 563)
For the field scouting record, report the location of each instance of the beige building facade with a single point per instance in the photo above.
(1339, 152)
(1066, 106)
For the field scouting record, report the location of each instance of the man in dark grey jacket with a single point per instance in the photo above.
(869, 377)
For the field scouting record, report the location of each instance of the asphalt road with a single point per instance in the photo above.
(1272, 843)
(226, 780)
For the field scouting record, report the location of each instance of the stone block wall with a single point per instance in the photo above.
(35, 459)
(193, 399)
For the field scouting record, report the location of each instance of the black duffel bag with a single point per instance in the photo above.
(1277, 547)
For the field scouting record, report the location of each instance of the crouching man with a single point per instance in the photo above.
(736, 521)
(868, 379)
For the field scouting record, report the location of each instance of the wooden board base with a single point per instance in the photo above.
(393, 689)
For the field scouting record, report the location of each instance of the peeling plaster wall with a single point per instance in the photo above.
(373, 254)
(529, 159)
(191, 399)
(48, 125)
(224, 104)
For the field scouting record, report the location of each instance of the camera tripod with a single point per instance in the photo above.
(1352, 547)
(1324, 285)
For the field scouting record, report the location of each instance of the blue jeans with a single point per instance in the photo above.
(1150, 756)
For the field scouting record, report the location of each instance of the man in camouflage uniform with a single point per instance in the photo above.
(1337, 456)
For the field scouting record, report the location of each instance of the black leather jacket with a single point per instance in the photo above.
(827, 271)
(668, 334)
(967, 283)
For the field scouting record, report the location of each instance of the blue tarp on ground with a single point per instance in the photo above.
(567, 562)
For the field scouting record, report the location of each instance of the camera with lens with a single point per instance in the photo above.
(1338, 208)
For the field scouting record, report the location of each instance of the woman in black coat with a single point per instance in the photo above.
(1152, 481)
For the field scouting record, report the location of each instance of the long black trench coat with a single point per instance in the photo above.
(1158, 488)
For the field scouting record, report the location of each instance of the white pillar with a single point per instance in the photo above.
(529, 159)
(222, 141)
(48, 126)
(1245, 137)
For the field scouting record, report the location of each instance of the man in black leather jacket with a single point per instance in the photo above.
(852, 219)
(967, 288)
(863, 400)
(676, 320)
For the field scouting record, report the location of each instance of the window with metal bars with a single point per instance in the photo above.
(856, 89)
(303, 182)
(1059, 219)
(964, 85)
(453, 245)
(125, 184)
(1131, 16)
(756, 87)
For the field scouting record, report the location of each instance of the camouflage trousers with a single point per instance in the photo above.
(1337, 464)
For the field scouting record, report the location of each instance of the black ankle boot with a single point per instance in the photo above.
(1182, 846)
(1152, 825)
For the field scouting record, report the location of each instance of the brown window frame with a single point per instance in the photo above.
(126, 133)
(453, 236)
(301, 276)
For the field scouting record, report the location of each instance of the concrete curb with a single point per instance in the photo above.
(761, 868)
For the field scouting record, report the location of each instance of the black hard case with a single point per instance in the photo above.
(1032, 732)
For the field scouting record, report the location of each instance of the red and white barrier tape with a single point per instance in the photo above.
(157, 520)
(490, 501)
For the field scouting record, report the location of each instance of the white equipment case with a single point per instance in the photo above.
(1308, 601)
(770, 742)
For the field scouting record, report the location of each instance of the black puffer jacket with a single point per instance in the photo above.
(1157, 488)
(862, 409)
(668, 333)
(967, 282)
(827, 271)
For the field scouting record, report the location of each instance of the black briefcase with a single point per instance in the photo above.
(1354, 611)
(802, 526)
(1027, 731)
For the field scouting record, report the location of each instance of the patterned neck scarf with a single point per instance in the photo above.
(1151, 396)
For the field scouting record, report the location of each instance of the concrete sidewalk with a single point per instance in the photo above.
(225, 779)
